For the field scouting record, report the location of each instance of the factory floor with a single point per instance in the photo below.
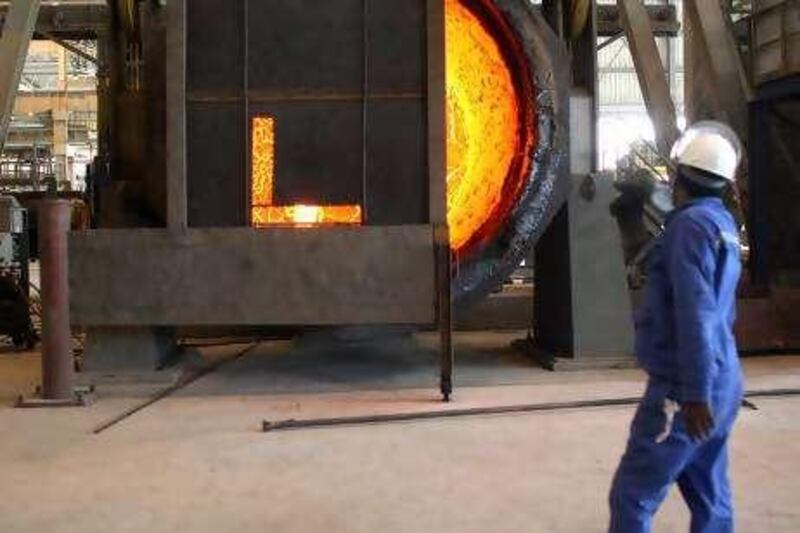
(198, 462)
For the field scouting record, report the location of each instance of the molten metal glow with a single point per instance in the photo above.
(482, 124)
(306, 215)
(263, 160)
(263, 212)
(483, 139)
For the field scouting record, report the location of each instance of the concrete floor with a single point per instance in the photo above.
(198, 462)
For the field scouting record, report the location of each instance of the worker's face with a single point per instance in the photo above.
(679, 194)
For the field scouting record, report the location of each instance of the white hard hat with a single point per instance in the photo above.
(712, 147)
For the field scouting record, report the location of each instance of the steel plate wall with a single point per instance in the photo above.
(308, 64)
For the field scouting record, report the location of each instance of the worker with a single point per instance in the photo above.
(685, 343)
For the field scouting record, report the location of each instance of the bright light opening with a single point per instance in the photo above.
(483, 126)
(484, 141)
(263, 211)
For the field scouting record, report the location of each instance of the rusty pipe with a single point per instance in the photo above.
(58, 373)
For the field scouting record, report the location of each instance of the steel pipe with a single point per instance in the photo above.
(58, 373)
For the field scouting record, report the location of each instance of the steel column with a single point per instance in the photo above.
(650, 70)
(57, 364)
(711, 36)
(17, 33)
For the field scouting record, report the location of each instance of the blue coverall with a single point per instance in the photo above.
(685, 343)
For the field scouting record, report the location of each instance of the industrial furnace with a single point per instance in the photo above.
(316, 116)
(332, 163)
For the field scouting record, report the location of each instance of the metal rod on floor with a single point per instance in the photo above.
(163, 393)
(772, 393)
(311, 423)
(452, 413)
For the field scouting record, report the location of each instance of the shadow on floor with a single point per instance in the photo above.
(397, 361)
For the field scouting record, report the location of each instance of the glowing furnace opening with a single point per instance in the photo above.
(483, 127)
(486, 138)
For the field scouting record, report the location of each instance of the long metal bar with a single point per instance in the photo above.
(70, 47)
(84, 20)
(650, 71)
(17, 33)
(437, 187)
(610, 40)
(167, 391)
(281, 425)
(311, 423)
(443, 261)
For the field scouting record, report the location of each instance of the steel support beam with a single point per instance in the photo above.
(75, 21)
(651, 73)
(159, 277)
(17, 32)
(663, 20)
(85, 20)
(713, 60)
(71, 47)
(553, 12)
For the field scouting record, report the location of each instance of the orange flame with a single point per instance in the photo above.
(306, 215)
(483, 126)
(263, 161)
(263, 212)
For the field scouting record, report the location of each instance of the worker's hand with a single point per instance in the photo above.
(699, 420)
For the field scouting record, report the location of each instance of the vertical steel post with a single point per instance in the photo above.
(57, 365)
(437, 186)
(728, 86)
(650, 71)
(444, 308)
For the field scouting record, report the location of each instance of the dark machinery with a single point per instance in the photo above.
(534, 181)
(506, 106)
(301, 164)
(15, 315)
